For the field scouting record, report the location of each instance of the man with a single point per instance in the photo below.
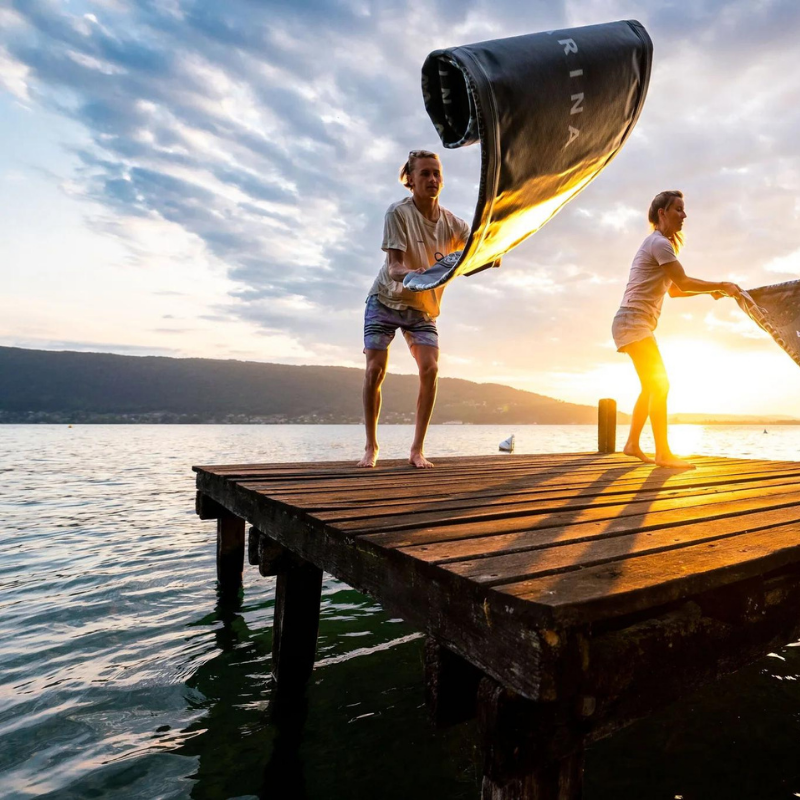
(416, 231)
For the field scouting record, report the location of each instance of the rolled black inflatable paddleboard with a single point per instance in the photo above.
(776, 309)
(550, 111)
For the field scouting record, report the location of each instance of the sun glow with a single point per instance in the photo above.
(706, 377)
(684, 440)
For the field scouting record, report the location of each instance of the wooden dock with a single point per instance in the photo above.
(564, 596)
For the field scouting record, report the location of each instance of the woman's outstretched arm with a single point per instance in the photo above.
(684, 286)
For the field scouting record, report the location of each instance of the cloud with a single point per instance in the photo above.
(271, 134)
(785, 265)
(87, 347)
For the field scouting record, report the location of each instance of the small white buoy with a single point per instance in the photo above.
(507, 445)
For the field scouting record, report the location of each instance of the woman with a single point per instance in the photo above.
(654, 272)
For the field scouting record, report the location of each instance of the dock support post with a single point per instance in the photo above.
(451, 685)
(230, 552)
(294, 635)
(607, 426)
(531, 751)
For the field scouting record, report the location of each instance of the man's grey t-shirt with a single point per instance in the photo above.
(406, 229)
(648, 282)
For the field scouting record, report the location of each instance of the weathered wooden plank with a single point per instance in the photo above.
(306, 478)
(309, 481)
(308, 467)
(426, 477)
(323, 497)
(647, 581)
(392, 497)
(524, 501)
(530, 516)
(518, 566)
(311, 467)
(524, 528)
(460, 548)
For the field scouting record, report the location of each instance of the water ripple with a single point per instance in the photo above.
(121, 673)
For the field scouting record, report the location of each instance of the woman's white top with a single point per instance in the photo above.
(648, 282)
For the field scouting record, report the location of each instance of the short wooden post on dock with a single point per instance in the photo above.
(294, 633)
(607, 426)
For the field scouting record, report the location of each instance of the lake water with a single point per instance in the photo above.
(123, 676)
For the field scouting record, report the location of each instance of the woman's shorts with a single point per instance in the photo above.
(631, 325)
(381, 324)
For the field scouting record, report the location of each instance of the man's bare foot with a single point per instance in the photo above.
(673, 462)
(419, 461)
(370, 457)
(636, 452)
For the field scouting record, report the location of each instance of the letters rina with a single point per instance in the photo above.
(577, 98)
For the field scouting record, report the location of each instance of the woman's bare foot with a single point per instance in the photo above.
(636, 452)
(370, 457)
(673, 462)
(419, 461)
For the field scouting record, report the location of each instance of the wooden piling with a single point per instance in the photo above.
(607, 426)
(294, 634)
(532, 751)
(451, 685)
(230, 551)
(253, 538)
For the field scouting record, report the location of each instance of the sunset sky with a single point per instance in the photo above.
(210, 178)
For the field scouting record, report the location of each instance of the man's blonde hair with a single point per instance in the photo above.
(408, 167)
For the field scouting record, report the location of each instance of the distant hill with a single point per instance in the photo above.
(47, 386)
